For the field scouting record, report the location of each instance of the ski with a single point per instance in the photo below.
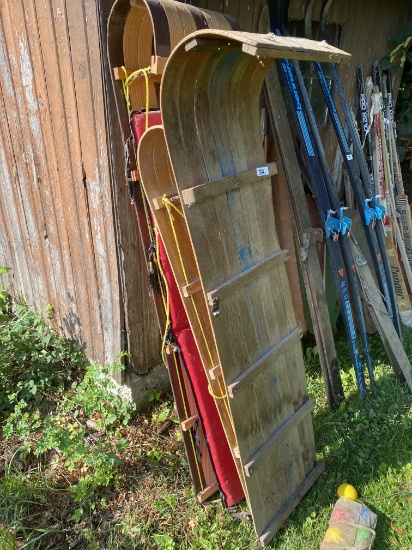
(334, 222)
(365, 122)
(390, 295)
(371, 211)
(306, 242)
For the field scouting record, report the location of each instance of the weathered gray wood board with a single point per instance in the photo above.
(393, 346)
(210, 104)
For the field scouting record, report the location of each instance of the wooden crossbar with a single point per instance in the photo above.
(261, 454)
(216, 372)
(241, 280)
(121, 73)
(192, 288)
(188, 423)
(158, 201)
(220, 186)
(244, 379)
(207, 492)
(157, 64)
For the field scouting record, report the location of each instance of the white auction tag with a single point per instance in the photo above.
(263, 171)
(349, 157)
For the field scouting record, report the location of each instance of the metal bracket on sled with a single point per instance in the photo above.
(310, 236)
(215, 307)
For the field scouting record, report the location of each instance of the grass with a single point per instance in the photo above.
(149, 502)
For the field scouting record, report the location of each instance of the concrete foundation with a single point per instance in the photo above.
(137, 388)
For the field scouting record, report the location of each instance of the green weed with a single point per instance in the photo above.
(85, 471)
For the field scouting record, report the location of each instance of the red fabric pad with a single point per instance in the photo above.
(222, 459)
(138, 122)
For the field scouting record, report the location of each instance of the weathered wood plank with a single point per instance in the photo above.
(268, 45)
(12, 220)
(211, 114)
(216, 187)
(291, 504)
(229, 287)
(87, 79)
(263, 453)
(16, 66)
(393, 346)
(257, 368)
(66, 151)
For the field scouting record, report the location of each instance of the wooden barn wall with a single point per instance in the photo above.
(60, 228)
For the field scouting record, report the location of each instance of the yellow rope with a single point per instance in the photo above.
(126, 91)
(164, 290)
(126, 85)
(165, 299)
(166, 304)
(146, 211)
(209, 388)
(169, 205)
(187, 416)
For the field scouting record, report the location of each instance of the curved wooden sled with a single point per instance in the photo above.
(132, 32)
(210, 103)
(152, 29)
(161, 192)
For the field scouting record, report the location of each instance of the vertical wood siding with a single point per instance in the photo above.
(59, 226)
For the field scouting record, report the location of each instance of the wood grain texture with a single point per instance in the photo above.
(158, 180)
(213, 188)
(393, 346)
(272, 46)
(56, 194)
(154, 28)
(211, 114)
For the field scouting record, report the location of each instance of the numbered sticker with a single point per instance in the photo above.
(263, 171)
(349, 157)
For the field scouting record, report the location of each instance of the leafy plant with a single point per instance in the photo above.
(401, 58)
(154, 395)
(34, 358)
(49, 394)
(65, 429)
